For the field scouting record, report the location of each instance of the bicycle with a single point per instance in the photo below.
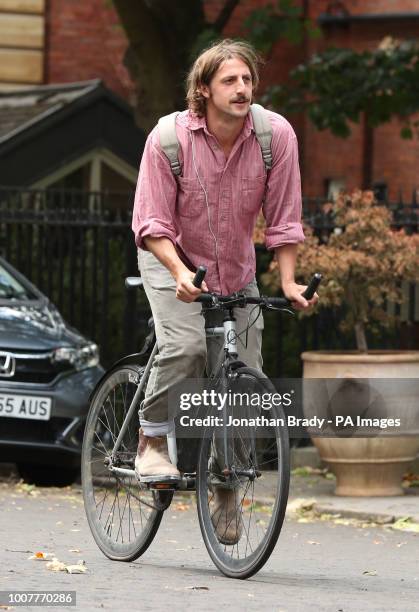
(124, 514)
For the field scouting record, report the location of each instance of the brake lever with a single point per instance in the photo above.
(214, 303)
(281, 309)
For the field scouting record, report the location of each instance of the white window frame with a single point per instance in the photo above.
(96, 157)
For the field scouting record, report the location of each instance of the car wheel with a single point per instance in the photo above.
(48, 475)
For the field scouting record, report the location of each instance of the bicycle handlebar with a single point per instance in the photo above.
(312, 286)
(199, 276)
(279, 302)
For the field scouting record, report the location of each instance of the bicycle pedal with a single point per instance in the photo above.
(160, 482)
(162, 486)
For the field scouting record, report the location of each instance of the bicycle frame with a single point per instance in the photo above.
(228, 354)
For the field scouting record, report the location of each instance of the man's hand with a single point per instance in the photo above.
(185, 290)
(293, 292)
(164, 250)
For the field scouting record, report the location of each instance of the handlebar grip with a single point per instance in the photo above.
(199, 276)
(205, 298)
(312, 286)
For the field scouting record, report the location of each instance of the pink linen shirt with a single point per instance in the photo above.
(210, 211)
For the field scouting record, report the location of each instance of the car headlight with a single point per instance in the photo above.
(84, 357)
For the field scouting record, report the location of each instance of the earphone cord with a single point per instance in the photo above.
(205, 194)
(248, 326)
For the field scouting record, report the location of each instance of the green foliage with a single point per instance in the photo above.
(266, 25)
(363, 262)
(335, 87)
(203, 40)
(263, 27)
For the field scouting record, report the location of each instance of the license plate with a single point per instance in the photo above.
(25, 407)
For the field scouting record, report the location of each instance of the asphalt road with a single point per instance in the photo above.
(318, 565)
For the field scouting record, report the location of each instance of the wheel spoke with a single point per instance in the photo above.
(258, 478)
(124, 517)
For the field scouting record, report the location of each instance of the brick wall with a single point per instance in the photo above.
(323, 156)
(86, 41)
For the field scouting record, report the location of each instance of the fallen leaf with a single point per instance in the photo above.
(75, 550)
(370, 573)
(181, 507)
(58, 566)
(41, 556)
(17, 551)
(307, 470)
(55, 565)
(197, 588)
(405, 524)
(78, 568)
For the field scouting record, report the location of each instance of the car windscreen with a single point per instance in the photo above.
(12, 289)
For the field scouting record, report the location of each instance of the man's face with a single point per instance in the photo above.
(230, 90)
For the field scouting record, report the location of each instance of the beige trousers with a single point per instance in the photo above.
(184, 352)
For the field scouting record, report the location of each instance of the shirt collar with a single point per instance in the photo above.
(197, 123)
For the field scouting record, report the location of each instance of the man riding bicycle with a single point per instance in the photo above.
(206, 215)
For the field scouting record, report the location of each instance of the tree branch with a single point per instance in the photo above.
(225, 14)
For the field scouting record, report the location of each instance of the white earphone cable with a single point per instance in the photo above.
(205, 194)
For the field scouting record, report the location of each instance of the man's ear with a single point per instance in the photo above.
(204, 89)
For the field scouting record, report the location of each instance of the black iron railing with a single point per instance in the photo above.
(77, 247)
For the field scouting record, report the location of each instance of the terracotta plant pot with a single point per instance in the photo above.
(368, 466)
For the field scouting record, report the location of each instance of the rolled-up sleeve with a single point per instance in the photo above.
(282, 206)
(155, 196)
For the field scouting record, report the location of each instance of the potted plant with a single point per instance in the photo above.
(363, 262)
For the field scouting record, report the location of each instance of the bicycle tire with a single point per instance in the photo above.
(108, 408)
(239, 565)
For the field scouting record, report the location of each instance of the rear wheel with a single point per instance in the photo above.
(123, 517)
(257, 485)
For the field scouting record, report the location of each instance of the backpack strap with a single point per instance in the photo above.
(263, 133)
(169, 141)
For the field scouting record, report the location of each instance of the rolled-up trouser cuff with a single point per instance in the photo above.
(151, 429)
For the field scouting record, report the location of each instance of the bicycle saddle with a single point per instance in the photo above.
(133, 282)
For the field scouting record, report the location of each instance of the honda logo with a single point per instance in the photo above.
(7, 365)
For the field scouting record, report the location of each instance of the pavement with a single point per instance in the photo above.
(321, 562)
(333, 555)
(317, 491)
(312, 488)
(314, 484)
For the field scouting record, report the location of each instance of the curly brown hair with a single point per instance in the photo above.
(207, 64)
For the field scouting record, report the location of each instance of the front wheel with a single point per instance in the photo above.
(242, 498)
(123, 518)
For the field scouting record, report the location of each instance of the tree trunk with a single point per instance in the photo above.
(361, 340)
(160, 35)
